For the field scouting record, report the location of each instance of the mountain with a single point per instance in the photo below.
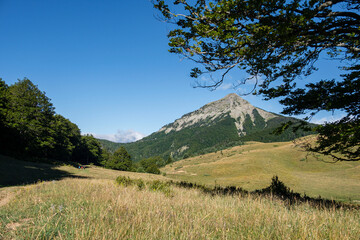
(231, 106)
(224, 123)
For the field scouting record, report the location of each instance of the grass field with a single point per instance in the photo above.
(41, 201)
(252, 166)
(100, 209)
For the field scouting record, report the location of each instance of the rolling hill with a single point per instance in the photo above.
(252, 165)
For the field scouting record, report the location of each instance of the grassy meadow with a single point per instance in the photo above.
(42, 201)
(251, 166)
(100, 209)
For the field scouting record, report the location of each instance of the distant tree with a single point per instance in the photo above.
(169, 160)
(67, 137)
(120, 160)
(30, 113)
(88, 151)
(279, 41)
(105, 156)
(152, 164)
(153, 168)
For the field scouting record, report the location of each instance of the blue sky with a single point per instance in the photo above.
(105, 65)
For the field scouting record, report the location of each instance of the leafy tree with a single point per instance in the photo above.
(3, 102)
(120, 160)
(153, 168)
(279, 41)
(30, 113)
(7, 137)
(30, 128)
(169, 160)
(152, 164)
(67, 137)
(105, 157)
(88, 151)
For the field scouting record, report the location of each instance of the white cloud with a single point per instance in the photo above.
(122, 136)
(328, 119)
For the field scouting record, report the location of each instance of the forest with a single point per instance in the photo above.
(32, 130)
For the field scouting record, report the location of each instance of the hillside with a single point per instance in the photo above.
(227, 122)
(251, 166)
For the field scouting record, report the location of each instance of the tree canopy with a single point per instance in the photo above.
(279, 41)
(120, 160)
(30, 112)
(152, 164)
(31, 129)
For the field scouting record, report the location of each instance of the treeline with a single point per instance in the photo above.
(121, 160)
(32, 130)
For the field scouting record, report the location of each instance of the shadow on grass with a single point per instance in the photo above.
(15, 172)
(276, 190)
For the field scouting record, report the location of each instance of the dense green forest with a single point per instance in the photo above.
(31, 129)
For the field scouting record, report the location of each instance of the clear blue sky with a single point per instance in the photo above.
(105, 65)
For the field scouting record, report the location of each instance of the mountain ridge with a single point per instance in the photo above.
(227, 122)
(232, 104)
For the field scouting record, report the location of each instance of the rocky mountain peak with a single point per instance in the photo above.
(229, 102)
(231, 105)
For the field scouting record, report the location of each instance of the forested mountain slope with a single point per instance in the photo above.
(227, 122)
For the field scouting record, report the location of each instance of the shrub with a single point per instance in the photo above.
(124, 181)
(140, 184)
(163, 187)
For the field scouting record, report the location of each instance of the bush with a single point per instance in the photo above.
(156, 185)
(124, 181)
(163, 187)
(140, 184)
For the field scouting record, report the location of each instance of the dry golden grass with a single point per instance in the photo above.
(252, 166)
(93, 206)
(100, 209)
(95, 172)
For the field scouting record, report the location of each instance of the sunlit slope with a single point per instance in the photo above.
(88, 204)
(99, 209)
(252, 166)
